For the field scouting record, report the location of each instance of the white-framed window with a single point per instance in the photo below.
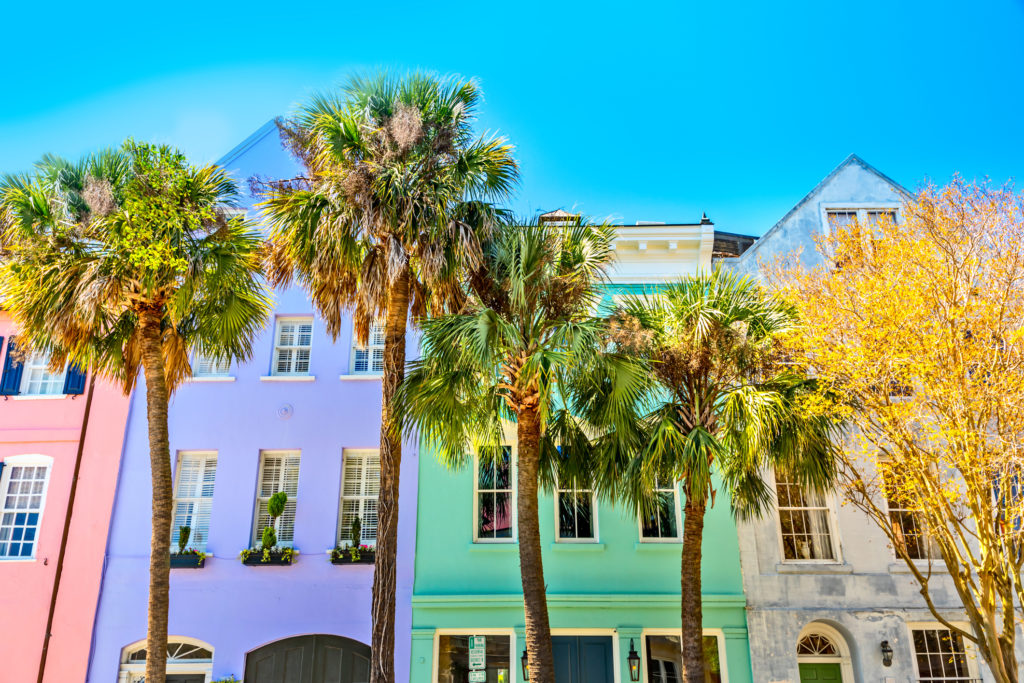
(293, 341)
(206, 366)
(369, 359)
(663, 524)
(23, 485)
(662, 656)
(575, 515)
(186, 657)
(36, 378)
(494, 498)
(858, 214)
(941, 655)
(360, 484)
(805, 523)
(193, 497)
(279, 471)
(452, 648)
(909, 528)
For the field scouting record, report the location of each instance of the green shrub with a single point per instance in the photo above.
(275, 506)
(356, 532)
(269, 537)
(183, 534)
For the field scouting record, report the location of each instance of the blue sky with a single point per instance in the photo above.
(629, 110)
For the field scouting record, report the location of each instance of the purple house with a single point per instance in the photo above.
(303, 417)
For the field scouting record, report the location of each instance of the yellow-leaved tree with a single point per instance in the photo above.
(915, 332)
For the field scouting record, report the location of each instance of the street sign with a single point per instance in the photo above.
(477, 677)
(477, 652)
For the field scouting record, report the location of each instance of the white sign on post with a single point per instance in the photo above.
(477, 677)
(477, 653)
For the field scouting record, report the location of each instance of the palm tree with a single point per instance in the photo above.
(384, 222)
(530, 353)
(132, 259)
(723, 401)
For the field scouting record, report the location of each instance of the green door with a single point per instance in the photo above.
(820, 672)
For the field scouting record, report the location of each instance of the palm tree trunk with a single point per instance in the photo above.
(531, 568)
(160, 468)
(693, 618)
(382, 638)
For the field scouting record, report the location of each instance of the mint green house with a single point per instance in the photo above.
(612, 578)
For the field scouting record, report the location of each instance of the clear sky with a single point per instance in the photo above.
(630, 110)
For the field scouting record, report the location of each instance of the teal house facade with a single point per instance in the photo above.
(613, 579)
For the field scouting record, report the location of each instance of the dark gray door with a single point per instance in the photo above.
(309, 659)
(583, 659)
(186, 678)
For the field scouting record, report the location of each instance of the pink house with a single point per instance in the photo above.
(50, 563)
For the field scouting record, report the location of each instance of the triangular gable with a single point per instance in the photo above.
(750, 254)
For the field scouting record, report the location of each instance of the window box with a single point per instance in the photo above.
(365, 555)
(273, 557)
(188, 560)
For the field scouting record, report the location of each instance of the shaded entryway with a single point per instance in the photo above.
(583, 659)
(823, 655)
(309, 659)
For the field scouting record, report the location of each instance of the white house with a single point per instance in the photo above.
(827, 598)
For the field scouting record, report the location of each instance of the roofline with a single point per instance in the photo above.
(851, 159)
(242, 147)
(735, 234)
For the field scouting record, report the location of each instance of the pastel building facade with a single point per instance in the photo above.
(612, 578)
(826, 593)
(303, 417)
(48, 424)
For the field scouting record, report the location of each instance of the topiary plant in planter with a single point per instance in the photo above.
(189, 558)
(355, 552)
(269, 553)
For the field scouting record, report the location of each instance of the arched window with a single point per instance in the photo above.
(816, 644)
(188, 660)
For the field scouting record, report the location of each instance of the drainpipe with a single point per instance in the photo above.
(67, 527)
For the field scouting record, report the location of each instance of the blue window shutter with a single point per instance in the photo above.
(10, 381)
(74, 380)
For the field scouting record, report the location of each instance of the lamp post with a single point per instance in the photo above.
(526, 666)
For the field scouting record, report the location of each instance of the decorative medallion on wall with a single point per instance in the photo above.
(285, 411)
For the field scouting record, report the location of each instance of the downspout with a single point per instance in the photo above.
(67, 527)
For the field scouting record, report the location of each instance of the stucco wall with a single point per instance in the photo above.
(52, 427)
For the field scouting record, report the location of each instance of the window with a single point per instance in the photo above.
(36, 378)
(817, 645)
(576, 519)
(187, 659)
(360, 484)
(665, 659)
(279, 471)
(907, 524)
(663, 523)
(292, 344)
(369, 360)
(23, 491)
(805, 522)
(841, 218)
(453, 658)
(940, 655)
(494, 499)
(193, 498)
(205, 366)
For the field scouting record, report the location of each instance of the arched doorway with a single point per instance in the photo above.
(316, 658)
(823, 656)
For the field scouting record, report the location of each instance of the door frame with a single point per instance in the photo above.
(514, 664)
(718, 633)
(844, 659)
(616, 672)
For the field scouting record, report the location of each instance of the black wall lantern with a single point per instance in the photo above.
(886, 653)
(526, 666)
(634, 662)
